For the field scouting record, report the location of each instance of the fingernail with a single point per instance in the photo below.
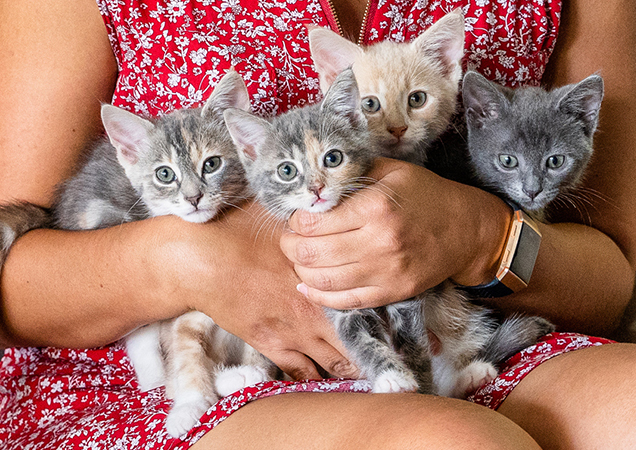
(302, 288)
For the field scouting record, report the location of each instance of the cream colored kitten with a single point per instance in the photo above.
(409, 90)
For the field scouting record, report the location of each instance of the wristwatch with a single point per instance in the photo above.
(517, 259)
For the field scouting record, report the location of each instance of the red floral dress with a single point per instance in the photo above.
(170, 55)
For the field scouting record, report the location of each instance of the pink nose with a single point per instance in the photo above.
(317, 189)
(398, 132)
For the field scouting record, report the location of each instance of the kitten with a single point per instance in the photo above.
(530, 145)
(409, 90)
(184, 164)
(409, 95)
(311, 158)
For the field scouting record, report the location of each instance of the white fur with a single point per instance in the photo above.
(144, 351)
(186, 412)
(474, 376)
(232, 379)
(392, 381)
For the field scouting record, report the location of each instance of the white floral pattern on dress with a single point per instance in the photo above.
(170, 54)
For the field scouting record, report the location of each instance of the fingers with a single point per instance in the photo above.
(343, 217)
(295, 364)
(301, 367)
(357, 298)
(322, 251)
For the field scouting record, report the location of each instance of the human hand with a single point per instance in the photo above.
(400, 236)
(253, 295)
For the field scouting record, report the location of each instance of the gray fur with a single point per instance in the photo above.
(119, 182)
(532, 125)
(337, 123)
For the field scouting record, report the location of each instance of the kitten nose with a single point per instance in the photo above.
(398, 132)
(317, 188)
(532, 193)
(195, 199)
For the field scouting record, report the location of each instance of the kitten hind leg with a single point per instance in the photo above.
(255, 368)
(409, 338)
(144, 350)
(364, 336)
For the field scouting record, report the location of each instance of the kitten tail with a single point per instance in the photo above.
(513, 335)
(18, 218)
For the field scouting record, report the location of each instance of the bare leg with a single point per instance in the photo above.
(365, 421)
(580, 400)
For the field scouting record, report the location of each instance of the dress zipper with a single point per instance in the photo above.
(363, 27)
(332, 10)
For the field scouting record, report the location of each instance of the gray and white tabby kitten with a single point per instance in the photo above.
(184, 164)
(409, 92)
(311, 158)
(530, 145)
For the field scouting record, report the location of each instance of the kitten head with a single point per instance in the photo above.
(308, 158)
(409, 90)
(183, 163)
(530, 144)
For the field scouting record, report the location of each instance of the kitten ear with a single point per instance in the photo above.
(343, 99)
(444, 42)
(248, 132)
(230, 92)
(331, 54)
(583, 100)
(482, 99)
(127, 132)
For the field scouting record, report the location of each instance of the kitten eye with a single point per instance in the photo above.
(508, 161)
(165, 174)
(371, 104)
(287, 171)
(555, 161)
(211, 164)
(333, 158)
(417, 99)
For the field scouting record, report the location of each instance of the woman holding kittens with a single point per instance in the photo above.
(77, 290)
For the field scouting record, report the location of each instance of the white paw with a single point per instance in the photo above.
(185, 414)
(232, 379)
(474, 376)
(394, 381)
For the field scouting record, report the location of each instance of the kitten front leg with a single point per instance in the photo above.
(186, 340)
(364, 336)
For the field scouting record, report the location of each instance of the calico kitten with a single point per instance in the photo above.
(409, 90)
(310, 158)
(184, 164)
(530, 145)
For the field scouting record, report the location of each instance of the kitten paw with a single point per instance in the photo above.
(394, 381)
(474, 376)
(185, 414)
(232, 379)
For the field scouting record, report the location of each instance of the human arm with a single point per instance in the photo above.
(583, 278)
(82, 289)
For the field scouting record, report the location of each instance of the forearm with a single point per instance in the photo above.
(582, 279)
(84, 289)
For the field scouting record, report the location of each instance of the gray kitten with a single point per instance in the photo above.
(530, 145)
(184, 164)
(310, 158)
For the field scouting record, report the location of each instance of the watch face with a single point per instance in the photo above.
(526, 253)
